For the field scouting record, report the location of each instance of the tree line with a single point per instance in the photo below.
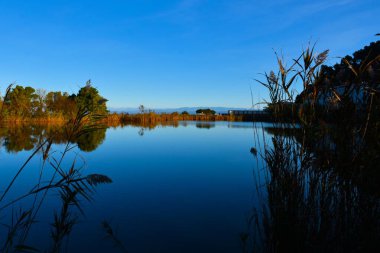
(28, 102)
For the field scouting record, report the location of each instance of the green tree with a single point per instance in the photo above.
(60, 103)
(22, 101)
(89, 99)
(206, 111)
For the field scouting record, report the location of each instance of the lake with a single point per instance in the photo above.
(189, 187)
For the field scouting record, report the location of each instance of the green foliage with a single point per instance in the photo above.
(58, 102)
(26, 102)
(88, 99)
(205, 111)
(21, 101)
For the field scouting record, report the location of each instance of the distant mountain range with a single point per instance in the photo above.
(190, 110)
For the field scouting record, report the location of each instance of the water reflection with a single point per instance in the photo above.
(317, 195)
(90, 140)
(206, 125)
(146, 201)
(27, 137)
(311, 194)
(60, 174)
(153, 125)
(141, 132)
(16, 138)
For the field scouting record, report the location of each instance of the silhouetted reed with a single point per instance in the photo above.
(69, 182)
(319, 188)
(111, 235)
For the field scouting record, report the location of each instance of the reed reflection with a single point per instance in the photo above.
(318, 194)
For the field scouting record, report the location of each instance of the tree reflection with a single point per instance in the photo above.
(27, 137)
(141, 132)
(91, 140)
(17, 139)
(206, 125)
(67, 181)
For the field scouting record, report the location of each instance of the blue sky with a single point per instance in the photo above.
(171, 53)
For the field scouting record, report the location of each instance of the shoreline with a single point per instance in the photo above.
(120, 119)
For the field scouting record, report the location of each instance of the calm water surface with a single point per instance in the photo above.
(188, 188)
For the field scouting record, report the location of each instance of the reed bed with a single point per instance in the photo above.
(318, 189)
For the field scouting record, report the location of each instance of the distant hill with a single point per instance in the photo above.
(190, 110)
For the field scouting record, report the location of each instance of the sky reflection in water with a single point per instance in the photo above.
(175, 189)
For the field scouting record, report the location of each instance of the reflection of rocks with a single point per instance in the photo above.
(206, 125)
(26, 137)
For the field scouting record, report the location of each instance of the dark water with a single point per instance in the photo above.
(188, 187)
(183, 188)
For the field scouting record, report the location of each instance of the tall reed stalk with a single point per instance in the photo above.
(314, 196)
(69, 182)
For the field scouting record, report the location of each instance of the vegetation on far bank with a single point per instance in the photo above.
(37, 106)
(21, 104)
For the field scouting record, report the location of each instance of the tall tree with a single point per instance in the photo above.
(60, 103)
(21, 101)
(89, 99)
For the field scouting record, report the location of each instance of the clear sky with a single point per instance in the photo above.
(171, 53)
